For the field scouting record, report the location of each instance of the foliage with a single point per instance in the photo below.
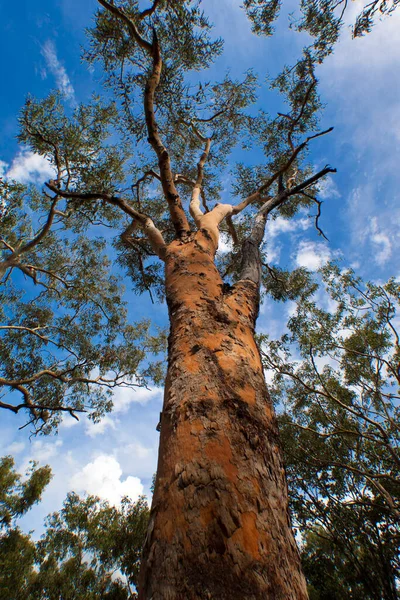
(339, 405)
(17, 550)
(65, 341)
(322, 19)
(89, 549)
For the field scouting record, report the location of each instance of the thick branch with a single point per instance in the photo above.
(210, 222)
(177, 213)
(153, 234)
(250, 268)
(194, 206)
(267, 184)
(251, 259)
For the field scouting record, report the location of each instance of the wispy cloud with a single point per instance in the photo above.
(358, 79)
(374, 221)
(124, 397)
(58, 70)
(3, 168)
(93, 429)
(380, 239)
(328, 189)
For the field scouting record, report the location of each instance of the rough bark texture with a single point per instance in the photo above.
(219, 524)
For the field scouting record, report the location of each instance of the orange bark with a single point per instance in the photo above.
(219, 526)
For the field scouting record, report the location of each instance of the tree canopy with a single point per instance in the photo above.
(337, 387)
(89, 549)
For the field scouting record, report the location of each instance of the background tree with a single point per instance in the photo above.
(89, 549)
(339, 425)
(17, 551)
(322, 19)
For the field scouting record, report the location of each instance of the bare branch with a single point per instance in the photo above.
(153, 234)
(267, 184)
(272, 203)
(317, 216)
(194, 206)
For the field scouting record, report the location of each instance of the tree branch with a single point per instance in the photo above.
(120, 14)
(272, 203)
(153, 234)
(257, 194)
(149, 11)
(194, 206)
(177, 213)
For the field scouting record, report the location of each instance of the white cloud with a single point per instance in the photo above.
(92, 429)
(276, 227)
(280, 225)
(225, 243)
(328, 189)
(312, 255)
(124, 397)
(57, 69)
(102, 477)
(28, 167)
(41, 451)
(137, 450)
(69, 422)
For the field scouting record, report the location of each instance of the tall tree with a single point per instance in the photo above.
(219, 523)
(17, 551)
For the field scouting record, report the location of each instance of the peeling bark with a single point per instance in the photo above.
(219, 526)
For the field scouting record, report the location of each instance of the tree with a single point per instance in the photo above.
(17, 550)
(219, 525)
(340, 432)
(65, 342)
(89, 549)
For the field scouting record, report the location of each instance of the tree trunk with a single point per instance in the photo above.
(219, 526)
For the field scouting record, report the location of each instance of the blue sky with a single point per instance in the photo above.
(41, 45)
